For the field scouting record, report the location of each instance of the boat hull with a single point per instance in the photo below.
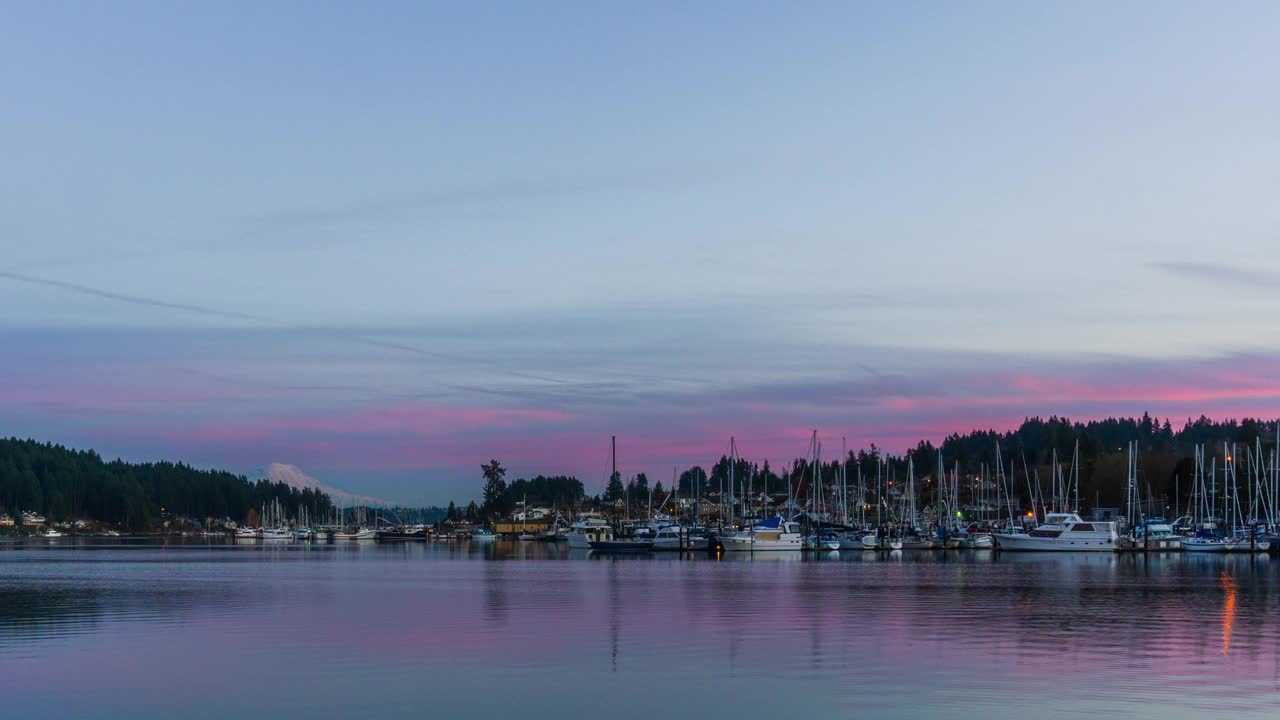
(1029, 543)
(747, 544)
(673, 545)
(621, 546)
(1244, 546)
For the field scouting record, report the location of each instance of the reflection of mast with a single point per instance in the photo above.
(615, 601)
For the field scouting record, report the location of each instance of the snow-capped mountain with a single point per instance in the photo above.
(294, 477)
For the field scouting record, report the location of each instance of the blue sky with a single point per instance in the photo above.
(247, 233)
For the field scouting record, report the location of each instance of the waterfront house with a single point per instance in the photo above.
(5, 520)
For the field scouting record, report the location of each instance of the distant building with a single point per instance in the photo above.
(533, 513)
(30, 518)
(6, 521)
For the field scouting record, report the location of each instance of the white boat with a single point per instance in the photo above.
(276, 534)
(588, 528)
(246, 533)
(51, 533)
(822, 541)
(971, 538)
(1064, 532)
(304, 534)
(483, 535)
(919, 542)
(669, 536)
(854, 541)
(1204, 545)
(359, 534)
(871, 542)
(767, 535)
(1245, 545)
(1154, 534)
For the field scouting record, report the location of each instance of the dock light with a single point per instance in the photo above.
(1028, 513)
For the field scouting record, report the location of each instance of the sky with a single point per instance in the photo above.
(386, 243)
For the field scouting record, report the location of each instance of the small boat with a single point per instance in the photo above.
(483, 535)
(359, 534)
(276, 534)
(588, 528)
(624, 545)
(972, 538)
(1246, 545)
(304, 534)
(853, 541)
(1204, 545)
(825, 540)
(51, 533)
(399, 534)
(669, 536)
(919, 542)
(247, 533)
(871, 541)
(1153, 534)
(767, 535)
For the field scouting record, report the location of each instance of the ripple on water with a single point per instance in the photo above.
(420, 625)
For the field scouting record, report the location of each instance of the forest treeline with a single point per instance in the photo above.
(1165, 464)
(1165, 458)
(64, 483)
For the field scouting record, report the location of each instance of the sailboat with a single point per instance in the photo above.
(818, 538)
(617, 544)
(1243, 539)
(1203, 509)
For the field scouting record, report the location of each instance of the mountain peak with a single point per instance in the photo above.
(294, 477)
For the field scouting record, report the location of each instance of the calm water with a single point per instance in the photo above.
(535, 631)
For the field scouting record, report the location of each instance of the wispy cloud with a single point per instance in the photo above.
(1230, 275)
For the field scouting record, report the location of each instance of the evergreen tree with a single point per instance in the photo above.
(495, 489)
(615, 491)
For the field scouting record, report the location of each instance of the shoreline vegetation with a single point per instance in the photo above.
(71, 485)
(1166, 468)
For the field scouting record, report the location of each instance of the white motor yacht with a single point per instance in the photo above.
(588, 528)
(767, 535)
(1064, 532)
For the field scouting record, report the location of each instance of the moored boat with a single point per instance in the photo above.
(588, 528)
(767, 535)
(1204, 545)
(1063, 532)
(623, 545)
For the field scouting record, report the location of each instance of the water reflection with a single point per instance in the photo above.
(1228, 610)
(459, 627)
